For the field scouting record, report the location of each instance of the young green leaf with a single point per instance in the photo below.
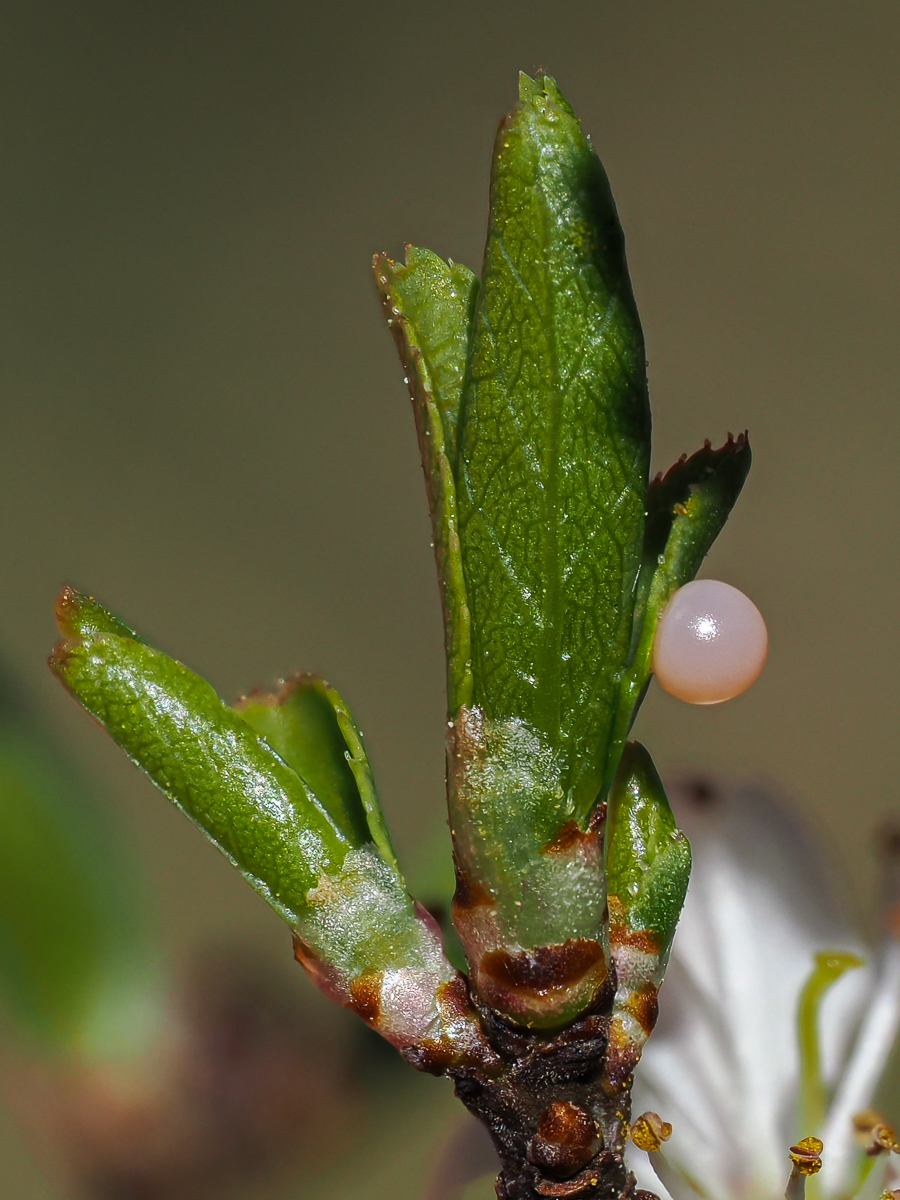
(686, 510)
(206, 759)
(648, 858)
(429, 307)
(323, 862)
(310, 727)
(648, 866)
(554, 442)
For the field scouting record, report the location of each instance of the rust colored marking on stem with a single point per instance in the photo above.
(638, 939)
(463, 1041)
(571, 835)
(568, 835)
(644, 1007)
(469, 894)
(434, 1056)
(622, 934)
(567, 1123)
(620, 1064)
(303, 953)
(545, 969)
(453, 999)
(566, 1141)
(365, 991)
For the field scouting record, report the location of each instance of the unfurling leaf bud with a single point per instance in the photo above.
(648, 867)
(286, 793)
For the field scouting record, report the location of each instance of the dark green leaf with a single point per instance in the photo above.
(553, 442)
(686, 510)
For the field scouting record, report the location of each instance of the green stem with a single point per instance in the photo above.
(830, 965)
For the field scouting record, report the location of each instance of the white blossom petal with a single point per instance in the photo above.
(863, 1071)
(723, 1064)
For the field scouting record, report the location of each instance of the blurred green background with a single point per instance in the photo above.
(204, 422)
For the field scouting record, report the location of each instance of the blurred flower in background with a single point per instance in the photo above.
(777, 1018)
(131, 1080)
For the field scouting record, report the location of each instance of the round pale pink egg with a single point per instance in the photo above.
(711, 643)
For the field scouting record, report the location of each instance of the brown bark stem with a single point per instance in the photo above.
(558, 1130)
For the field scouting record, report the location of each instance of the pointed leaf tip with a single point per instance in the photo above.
(553, 442)
(529, 87)
(542, 91)
(79, 615)
(201, 754)
(687, 508)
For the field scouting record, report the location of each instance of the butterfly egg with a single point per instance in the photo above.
(711, 643)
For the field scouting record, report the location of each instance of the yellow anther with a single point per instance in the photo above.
(865, 1121)
(873, 1132)
(882, 1140)
(649, 1131)
(806, 1156)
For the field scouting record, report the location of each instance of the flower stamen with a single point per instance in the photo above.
(883, 1140)
(870, 1053)
(877, 1031)
(830, 965)
(807, 1159)
(648, 1132)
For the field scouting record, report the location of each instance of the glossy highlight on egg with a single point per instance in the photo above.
(711, 643)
